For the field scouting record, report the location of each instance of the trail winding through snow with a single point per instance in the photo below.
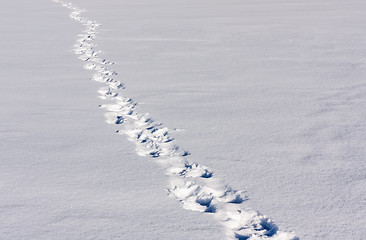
(193, 185)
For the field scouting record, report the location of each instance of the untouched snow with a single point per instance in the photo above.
(268, 94)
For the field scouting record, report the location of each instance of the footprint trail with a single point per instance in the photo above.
(192, 184)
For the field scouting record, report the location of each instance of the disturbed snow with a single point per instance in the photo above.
(192, 184)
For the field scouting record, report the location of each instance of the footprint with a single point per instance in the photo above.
(193, 185)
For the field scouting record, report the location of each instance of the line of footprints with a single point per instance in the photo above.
(190, 183)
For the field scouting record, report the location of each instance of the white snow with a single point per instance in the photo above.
(268, 94)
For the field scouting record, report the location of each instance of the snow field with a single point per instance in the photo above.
(191, 184)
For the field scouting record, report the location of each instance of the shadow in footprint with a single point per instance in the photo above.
(241, 237)
(210, 209)
(207, 174)
(238, 199)
(119, 120)
(270, 228)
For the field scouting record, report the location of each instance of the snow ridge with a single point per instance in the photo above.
(193, 185)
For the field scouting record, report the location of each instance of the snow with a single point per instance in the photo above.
(268, 95)
(64, 173)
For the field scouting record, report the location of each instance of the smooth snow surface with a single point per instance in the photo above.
(269, 94)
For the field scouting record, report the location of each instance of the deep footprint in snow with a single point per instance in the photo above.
(192, 184)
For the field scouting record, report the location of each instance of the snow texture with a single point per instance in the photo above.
(269, 94)
(192, 184)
